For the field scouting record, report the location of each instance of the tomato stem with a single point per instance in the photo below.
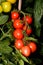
(5, 34)
(2, 31)
(8, 31)
(31, 39)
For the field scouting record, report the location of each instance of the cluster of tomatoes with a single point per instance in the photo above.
(20, 25)
(6, 5)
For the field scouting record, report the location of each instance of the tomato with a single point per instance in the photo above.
(6, 6)
(1, 9)
(18, 34)
(19, 44)
(32, 46)
(11, 1)
(26, 51)
(14, 15)
(24, 27)
(28, 31)
(28, 19)
(18, 24)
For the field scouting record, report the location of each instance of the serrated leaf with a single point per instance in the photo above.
(22, 57)
(3, 19)
(4, 47)
(21, 62)
(38, 7)
(5, 42)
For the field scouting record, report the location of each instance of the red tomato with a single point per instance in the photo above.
(32, 46)
(18, 24)
(14, 15)
(29, 31)
(24, 27)
(28, 19)
(19, 44)
(26, 51)
(18, 34)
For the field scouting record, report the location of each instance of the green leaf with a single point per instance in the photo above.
(29, 10)
(1, 64)
(36, 61)
(22, 57)
(6, 42)
(3, 19)
(4, 47)
(9, 25)
(10, 63)
(2, 1)
(21, 62)
(41, 50)
(38, 12)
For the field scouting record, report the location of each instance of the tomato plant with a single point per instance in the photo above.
(32, 46)
(18, 34)
(20, 38)
(28, 19)
(6, 6)
(18, 44)
(18, 24)
(28, 31)
(24, 27)
(26, 51)
(14, 15)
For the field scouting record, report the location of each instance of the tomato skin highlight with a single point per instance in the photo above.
(19, 44)
(18, 34)
(32, 46)
(14, 15)
(26, 51)
(17, 24)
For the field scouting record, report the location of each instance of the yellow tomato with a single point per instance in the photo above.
(12, 1)
(6, 6)
(1, 9)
